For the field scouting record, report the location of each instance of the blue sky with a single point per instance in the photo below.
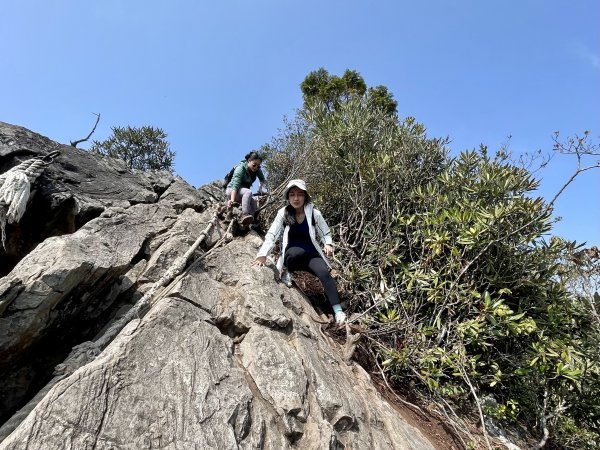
(218, 77)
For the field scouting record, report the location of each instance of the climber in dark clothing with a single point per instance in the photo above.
(300, 224)
(239, 188)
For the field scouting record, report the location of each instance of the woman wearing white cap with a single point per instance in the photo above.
(301, 224)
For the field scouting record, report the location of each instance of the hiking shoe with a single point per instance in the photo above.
(286, 278)
(340, 317)
(247, 219)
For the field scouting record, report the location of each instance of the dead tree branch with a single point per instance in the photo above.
(74, 143)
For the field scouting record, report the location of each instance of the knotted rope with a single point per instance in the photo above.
(15, 188)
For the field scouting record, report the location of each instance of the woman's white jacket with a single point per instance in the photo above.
(278, 226)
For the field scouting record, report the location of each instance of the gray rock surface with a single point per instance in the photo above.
(225, 358)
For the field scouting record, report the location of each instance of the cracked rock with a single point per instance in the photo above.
(223, 357)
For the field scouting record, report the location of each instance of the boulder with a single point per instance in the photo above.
(223, 357)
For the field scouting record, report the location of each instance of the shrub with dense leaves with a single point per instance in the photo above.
(361, 164)
(458, 289)
(144, 148)
(477, 304)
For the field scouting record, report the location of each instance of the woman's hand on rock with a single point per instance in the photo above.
(260, 261)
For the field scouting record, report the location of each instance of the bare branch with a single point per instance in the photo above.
(409, 404)
(74, 143)
(467, 380)
(577, 172)
(575, 146)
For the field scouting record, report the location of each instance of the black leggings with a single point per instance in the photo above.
(296, 258)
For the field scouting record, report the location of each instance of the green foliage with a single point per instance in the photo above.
(330, 91)
(575, 437)
(383, 99)
(475, 276)
(144, 148)
(372, 162)
(464, 294)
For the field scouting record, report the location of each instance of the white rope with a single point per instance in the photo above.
(15, 188)
(146, 299)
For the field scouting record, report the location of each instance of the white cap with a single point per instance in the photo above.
(294, 183)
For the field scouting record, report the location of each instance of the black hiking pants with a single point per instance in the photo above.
(297, 258)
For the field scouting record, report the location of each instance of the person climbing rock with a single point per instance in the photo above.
(239, 187)
(301, 224)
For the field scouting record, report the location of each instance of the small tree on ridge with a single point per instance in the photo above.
(144, 148)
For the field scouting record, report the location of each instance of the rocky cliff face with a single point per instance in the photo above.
(222, 357)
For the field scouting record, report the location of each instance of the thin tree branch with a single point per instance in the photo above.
(409, 404)
(74, 143)
(466, 378)
(577, 172)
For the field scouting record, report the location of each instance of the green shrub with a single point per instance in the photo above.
(360, 165)
(144, 148)
(447, 259)
(481, 300)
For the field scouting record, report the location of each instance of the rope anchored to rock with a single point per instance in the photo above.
(15, 189)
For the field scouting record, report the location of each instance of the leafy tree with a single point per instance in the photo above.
(332, 91)
(357, 155)
(144, 148)
(446, 260)
(383, 98)
(485, 313)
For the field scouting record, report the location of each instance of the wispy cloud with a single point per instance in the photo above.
(584, 53)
